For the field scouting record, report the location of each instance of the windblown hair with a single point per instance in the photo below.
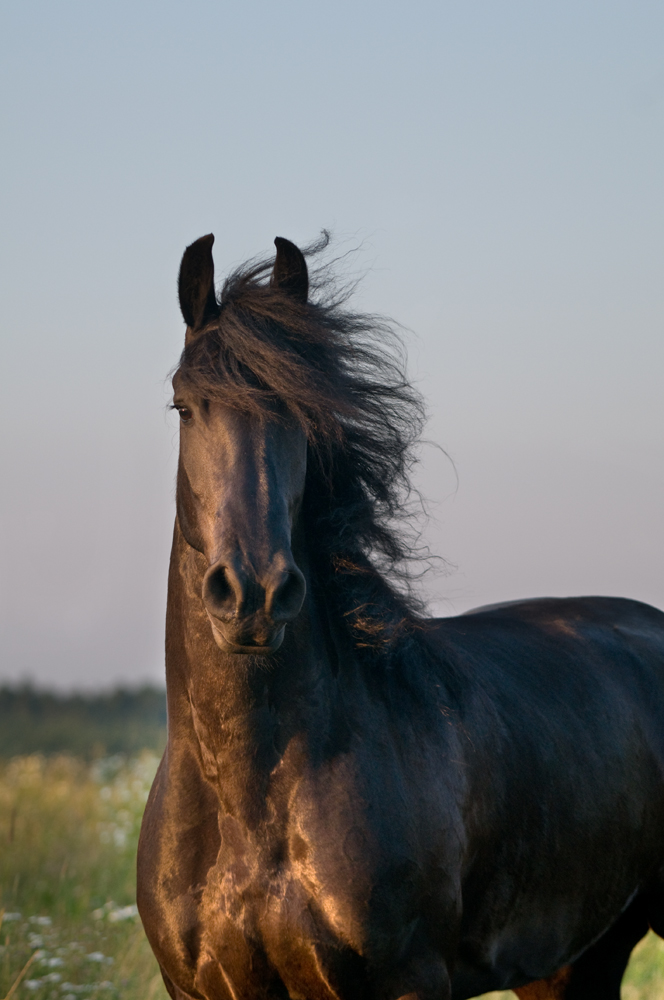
(342, 375)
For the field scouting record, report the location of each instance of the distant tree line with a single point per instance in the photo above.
(87, 725)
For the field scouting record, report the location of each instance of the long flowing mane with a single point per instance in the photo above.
(342, 375)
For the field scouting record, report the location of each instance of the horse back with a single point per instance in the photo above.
(559, 682)
(559, 647)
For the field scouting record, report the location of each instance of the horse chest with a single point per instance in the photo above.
(312, 907)
(265, 925)
(319, 873)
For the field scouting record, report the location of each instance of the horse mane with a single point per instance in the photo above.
(342, 375)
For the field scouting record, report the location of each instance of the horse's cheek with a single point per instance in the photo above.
(188, 512)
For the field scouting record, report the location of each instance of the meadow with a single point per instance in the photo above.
(68, 922)
(69, 831)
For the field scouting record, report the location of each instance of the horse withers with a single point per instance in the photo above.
(357, 801)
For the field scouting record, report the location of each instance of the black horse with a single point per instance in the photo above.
(356, 801)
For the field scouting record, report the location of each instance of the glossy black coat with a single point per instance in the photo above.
(482, 809)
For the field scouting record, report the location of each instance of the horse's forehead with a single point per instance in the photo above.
(250, 437)
(269, 420)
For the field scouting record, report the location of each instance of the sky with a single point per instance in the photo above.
(498, 169)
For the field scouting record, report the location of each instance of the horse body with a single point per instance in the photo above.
(461, 805)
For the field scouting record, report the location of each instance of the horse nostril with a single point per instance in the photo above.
(287, 596)
(237, 599)
(218, 592)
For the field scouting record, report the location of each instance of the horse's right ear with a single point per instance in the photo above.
(198, 301)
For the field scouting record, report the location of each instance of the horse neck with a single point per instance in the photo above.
(242, 715)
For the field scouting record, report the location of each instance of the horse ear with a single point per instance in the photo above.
(290, 270)
(196, 284)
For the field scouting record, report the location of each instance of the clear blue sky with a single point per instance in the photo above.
(501, 167)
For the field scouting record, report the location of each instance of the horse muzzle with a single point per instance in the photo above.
(261, 641)
(248, 614)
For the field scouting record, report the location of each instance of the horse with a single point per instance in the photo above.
(357, 802)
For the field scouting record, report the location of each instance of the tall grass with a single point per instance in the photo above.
(68, 832)
(69, 929)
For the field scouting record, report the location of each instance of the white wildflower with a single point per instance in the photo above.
(81, 988)
(123, 913)
(119, 837)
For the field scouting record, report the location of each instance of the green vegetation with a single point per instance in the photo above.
(68, 834)
(88, 726)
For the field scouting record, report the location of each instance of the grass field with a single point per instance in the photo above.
(69, 929)
(69, 831)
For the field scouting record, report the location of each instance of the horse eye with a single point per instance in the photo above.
(185, 414)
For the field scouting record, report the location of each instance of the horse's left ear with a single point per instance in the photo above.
(290, 270)
(196, 285)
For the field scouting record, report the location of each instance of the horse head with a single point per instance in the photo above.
(241, 479)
